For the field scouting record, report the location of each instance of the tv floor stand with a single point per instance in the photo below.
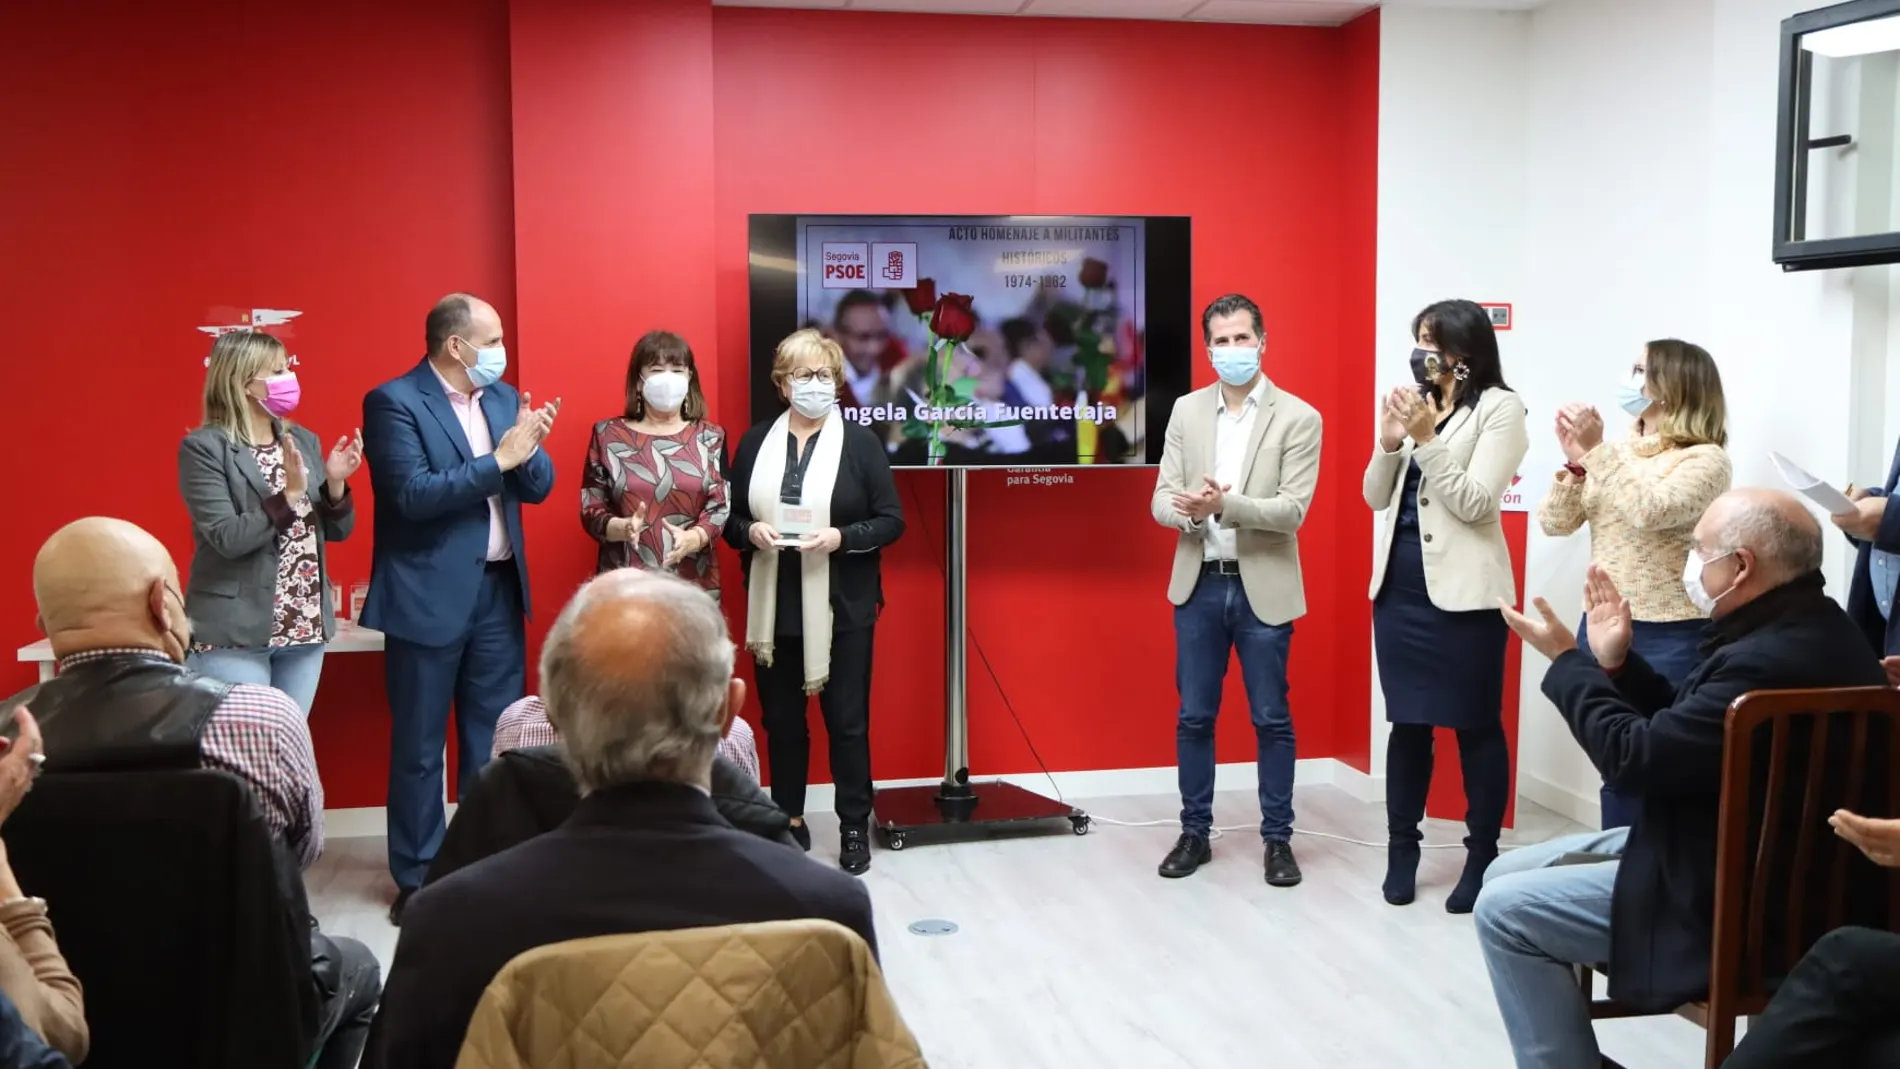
(958, 809)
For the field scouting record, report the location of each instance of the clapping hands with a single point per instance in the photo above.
(628, 528)
(20, 765)
(1607, 611)
(1579, 430)
(532, 425)
(1407, 414)
(1210, 500)
(345, 457)
(1609, 614)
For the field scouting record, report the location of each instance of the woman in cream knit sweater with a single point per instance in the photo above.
(1642, 497)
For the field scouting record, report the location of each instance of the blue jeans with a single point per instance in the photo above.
(1535, 923)
(1216, 619)
(291, 669)
(1673, 649)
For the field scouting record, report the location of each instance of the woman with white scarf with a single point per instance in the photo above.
(813, 505)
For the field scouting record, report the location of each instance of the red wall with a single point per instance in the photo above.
(167, 164)
(589, 165)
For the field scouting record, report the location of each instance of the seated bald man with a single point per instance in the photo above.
(637, 675)
(110, 606)
(1646, 906)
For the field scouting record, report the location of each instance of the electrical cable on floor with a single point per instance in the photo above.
(1096, 818)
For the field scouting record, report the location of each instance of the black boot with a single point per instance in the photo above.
(1408, 779)
(1401, 872)
(1486, 761)
(1478, 857)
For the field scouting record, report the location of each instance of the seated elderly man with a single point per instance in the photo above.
(637, 674)
(1646, 908)
(527, 789)
(524, 725)
(109, 603)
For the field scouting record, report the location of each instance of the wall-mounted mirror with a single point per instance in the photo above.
(1837, 168)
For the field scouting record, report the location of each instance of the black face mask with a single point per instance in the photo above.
(1428, 366)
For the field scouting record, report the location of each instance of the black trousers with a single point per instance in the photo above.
(345, 1014)
(1483, 756)
(846, 703)
(1839, 1008)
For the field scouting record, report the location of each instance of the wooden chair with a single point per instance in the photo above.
(1777, 857)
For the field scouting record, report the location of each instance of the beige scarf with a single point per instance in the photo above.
(761, 615)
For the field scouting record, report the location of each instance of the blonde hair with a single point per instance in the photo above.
(236, 359)
(1685, 384)
(801, 344)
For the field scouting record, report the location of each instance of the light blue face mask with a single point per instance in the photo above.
(489, 364)
(1235, 364)
(1629, 396)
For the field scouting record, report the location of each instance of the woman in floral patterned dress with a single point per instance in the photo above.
(651, 491)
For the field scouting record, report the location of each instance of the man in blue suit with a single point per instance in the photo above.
(453, 452)
(1875, 531)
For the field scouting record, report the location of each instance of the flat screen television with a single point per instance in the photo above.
(1079, 332)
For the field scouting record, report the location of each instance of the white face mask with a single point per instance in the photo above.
(813, 399)
(1699, 595)
(1235, 364)
(1629, 396)
(665, 391)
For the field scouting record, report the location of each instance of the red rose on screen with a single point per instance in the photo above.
(1094, 274)
(923, 299)
(954, 319)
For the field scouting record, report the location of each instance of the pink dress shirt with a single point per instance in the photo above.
(481, 442)
(525, 724)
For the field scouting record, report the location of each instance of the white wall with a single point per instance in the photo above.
(1645, 152)
(1451, 185)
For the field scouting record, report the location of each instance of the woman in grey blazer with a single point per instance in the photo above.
(1448, 448)
(259, 594)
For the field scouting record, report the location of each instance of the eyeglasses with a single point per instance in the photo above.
(808, 374)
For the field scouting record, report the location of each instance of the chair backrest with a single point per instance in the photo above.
(183, 919)
(1784, 879)
(801, 994)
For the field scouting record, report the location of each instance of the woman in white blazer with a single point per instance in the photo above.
(1448, 449)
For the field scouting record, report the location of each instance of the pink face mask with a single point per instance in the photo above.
(281, 394)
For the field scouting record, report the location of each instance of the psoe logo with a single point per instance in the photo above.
(259, 319)
(846, 265)
(895, 264)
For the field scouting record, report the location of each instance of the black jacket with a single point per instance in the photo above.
(1882, 632)
(864, 508)
(181, 914)
(523, 793)
(1666, 746)
(641, 857)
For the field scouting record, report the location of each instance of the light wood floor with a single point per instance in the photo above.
(1073, 954)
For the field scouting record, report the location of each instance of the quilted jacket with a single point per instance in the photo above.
(803, 994)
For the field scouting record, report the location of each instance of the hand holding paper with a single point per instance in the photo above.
(1822, 494)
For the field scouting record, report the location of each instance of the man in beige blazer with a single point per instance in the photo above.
(1238, 471)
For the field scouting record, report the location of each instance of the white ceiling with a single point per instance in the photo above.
(1275, 12)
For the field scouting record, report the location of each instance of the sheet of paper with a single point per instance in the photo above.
(1822, 494)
